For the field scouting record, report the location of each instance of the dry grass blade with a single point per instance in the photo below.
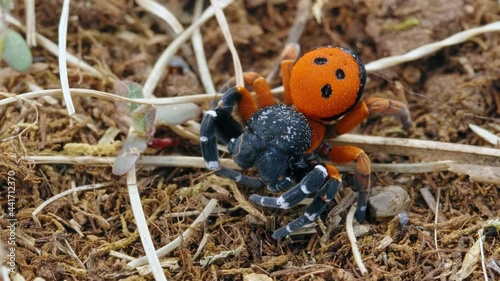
(354, 246)
(142, 226)
(157, 71)
(486, 135)
(198, 162)
(199, 52)
(422, 148)
(63, 70)
(174, 244)
(161, 12)
(221, 19)
(107, 96)
(30, 22)
(64, 193)
(432, 47)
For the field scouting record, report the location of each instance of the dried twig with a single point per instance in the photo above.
(199, 51)
(67, 192)
(430, 150)
(142, 226)
(63, 69)
(221, 19)
(427, 49)
(157, 71)
(174, 244)
(352, 239)
(30, 22)
(163, 13)
(431, 202)
(486, 135)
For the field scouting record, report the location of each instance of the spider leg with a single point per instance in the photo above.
(262, 90)
(219, 124)
(317, 206)
(289, 55)
(309, 184)
(346, 154)
(279, 185)
(238, 177)
(390, 107)
(371, 106)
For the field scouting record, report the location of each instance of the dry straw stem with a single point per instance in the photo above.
(107, 96)
(422, 148)
(64, 193)
(185, 235)
(63, 69)
(486, 135)
(142, 226)
(221, 19)
(432, 47)
(199, 51)
(161, 12)
(198, 162)
(30, 22)
(354, 245)
(478, 173)
(158, 69)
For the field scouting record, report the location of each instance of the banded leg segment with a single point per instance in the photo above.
(309, 184)
(371, 106)
(219, 124)
(317, 206)
(362, 181)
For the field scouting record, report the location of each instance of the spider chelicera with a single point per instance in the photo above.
(284, 142)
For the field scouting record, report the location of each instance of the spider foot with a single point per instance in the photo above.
(313, 211)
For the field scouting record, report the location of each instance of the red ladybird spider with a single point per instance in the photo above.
(284, 143)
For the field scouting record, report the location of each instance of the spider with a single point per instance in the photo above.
(284, 143)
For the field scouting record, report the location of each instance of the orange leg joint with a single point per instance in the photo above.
(248, 105)
(362, 181)
(371, 106)
(390, 107)
(286, 72)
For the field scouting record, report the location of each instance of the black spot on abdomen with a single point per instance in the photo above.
(340, 74)
(320, 61)
(326, 91)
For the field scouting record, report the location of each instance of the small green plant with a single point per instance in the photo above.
(141, 131)
(13, 48)
(143, 120)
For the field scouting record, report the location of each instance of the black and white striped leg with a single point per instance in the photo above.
(309, 184)
(280, 185)
(218, 124)
(238, 177)
(313, 211)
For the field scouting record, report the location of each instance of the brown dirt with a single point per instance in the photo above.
(445, 92)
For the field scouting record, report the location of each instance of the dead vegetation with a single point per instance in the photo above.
(92, 234)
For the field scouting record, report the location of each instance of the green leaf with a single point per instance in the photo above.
(134, 92)
(16, 52)
(143, 120)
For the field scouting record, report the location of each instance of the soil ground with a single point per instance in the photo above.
(445, 92)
